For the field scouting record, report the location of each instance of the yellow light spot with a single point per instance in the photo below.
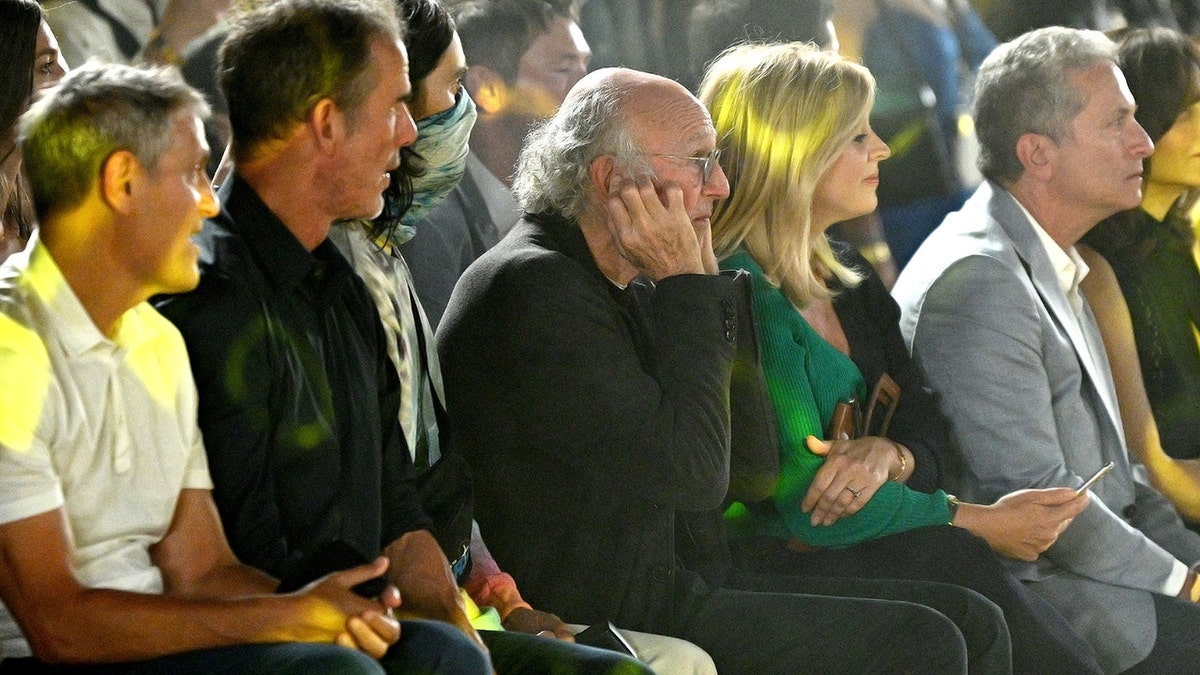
(24, 383)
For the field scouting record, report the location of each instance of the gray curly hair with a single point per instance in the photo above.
(553, 169)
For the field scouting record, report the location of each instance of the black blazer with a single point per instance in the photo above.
(594, 420)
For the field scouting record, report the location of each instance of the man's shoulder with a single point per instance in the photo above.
(532, 252)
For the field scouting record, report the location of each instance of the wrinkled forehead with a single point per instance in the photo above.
(668, 119)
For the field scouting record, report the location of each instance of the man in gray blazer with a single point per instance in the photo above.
(992, 312)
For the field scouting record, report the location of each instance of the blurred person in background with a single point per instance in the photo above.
(31, 60)
(921, 52)
(522, 57)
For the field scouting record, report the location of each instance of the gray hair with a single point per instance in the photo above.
(1024, 86)
(94, 111)
(553, 169)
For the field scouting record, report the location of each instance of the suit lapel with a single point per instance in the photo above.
(1081, 331)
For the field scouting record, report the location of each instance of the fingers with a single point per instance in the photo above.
(651, 229)
(1077, 504)
(1058, 495)
(373, 632)
(356, 575)
(838, 499)
(847, 480)
(707, 256)
(817, 446)
(390, 597)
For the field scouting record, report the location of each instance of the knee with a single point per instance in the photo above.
(437, 647)
(331, 659)
(943, 650)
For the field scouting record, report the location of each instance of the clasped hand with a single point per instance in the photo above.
(853, 471)
(331, 611)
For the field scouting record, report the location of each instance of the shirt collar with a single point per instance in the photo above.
(76, 331)
(1069, 267)
(277, 251)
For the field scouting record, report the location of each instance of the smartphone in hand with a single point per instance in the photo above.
(1095, 477)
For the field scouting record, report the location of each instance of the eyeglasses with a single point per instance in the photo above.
(707, 163)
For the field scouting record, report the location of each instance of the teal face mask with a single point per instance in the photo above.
(442, 143)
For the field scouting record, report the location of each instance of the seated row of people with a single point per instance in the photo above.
(588, 367)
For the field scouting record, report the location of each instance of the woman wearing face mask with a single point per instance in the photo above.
(1145, 290)
(800, 156)
(30, 56)
(520, 638)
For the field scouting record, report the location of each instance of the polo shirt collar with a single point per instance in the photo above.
(74, 327)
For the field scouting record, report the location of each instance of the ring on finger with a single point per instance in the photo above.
(854, 492)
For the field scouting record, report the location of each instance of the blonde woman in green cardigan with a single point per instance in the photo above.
(800, 155)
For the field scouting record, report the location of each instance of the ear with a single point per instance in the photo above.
(327, 124)
(1037, 153)
(118, 172)
(602, 170)
(488, 89)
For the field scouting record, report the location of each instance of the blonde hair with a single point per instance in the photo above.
(783, 114)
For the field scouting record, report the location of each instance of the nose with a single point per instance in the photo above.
(405, 131)
(208, 201)
(1140, 144)
(717, 186)
(879, 150)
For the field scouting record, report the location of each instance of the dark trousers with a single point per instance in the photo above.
(772, 625)
(424, 647)
(1176, 650)
(1042, 641)
(514, 653)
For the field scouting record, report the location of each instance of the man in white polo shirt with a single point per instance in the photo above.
(111, 551)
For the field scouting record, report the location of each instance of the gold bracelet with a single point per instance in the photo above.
(903, 461)
(952, 505)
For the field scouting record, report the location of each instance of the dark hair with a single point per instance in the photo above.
(281, 59)
(429, 30)
(1162, 68)
(715, 25)
(495, 33)
(19, 22)
(427, 35)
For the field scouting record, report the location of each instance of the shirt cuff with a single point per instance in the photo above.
(1175, 581)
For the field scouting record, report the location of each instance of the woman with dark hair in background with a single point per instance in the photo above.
(29, 54)
(1149, 320)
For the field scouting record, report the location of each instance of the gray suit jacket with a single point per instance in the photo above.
(984, 315)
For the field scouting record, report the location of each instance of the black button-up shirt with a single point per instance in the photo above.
(298, 401)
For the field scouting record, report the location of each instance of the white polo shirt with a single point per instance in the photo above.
(105, 429)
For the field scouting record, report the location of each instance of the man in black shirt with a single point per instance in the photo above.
(298, 400)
